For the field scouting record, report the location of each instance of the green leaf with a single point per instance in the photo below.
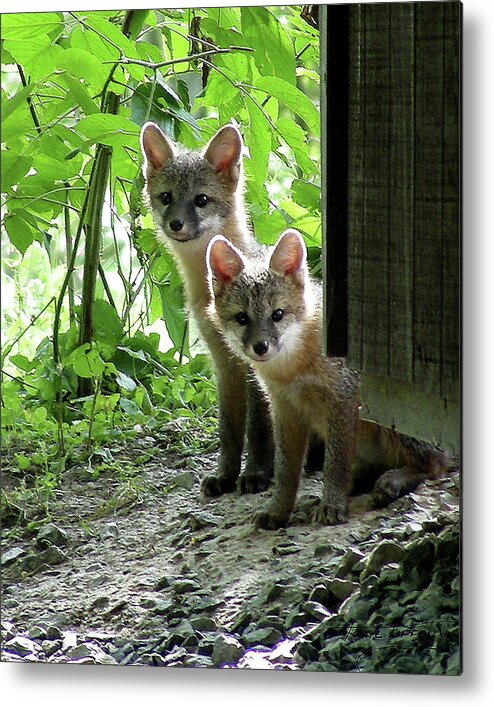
(37, 55)
(29, 25)
(137, 21)
(85, 365)
(238, 65)
(14, 168)
(129, 406)
(83, 37)
(125, 382)
(17, 100)
(268, 226)
(294, 137)
(23, 363)
(106, 323)
(149, 52)
(228, 109)
(292, 97)
(81, 64)
(274, 53)
(20, 232)
(165, 108)
(310, 226)
(223, 36)
(219, 89)
(309, 73)
(110, 130)
(23, 462)
(259, 142)
(173, 313)
(306, 194)
(91, 365)
(39, 416)
(51, 170)
(20, 122)
(80, 94)
(146, 239)
(256, 191)
(140, 355)
(118, 41)
(225, 16)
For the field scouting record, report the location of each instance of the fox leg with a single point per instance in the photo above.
(337, 469)
(231, 375)
(291, 435)
(260, 442)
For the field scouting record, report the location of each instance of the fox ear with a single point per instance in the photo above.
(224, 263)
(224, 151)
(289, 256)
(156, 148)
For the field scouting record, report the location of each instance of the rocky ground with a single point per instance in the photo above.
(145, 570)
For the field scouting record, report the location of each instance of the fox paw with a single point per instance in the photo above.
(217, 485)
(330, 513)
(267, 520)
(254, 482)
(392, 485)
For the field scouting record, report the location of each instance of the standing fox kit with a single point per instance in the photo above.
(271, 315)
(193, 197)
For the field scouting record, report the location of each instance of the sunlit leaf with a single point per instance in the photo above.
(37, 55)
(106, 322)
(14, 167)
(259, 141)
(294, 137)
(110, 130)
(274, 53)
(20, 232)
(81, 64)
(125, 382)
(29, 25)
(292, 97)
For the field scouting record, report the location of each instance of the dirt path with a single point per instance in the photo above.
(147, 570)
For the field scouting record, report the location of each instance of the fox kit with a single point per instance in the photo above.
(193, 197)
(271, 314)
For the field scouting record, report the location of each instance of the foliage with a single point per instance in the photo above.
(77, 241)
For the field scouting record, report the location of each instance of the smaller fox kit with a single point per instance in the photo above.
(271, 315)
(193, 197)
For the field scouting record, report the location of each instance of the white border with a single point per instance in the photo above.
(54, 685)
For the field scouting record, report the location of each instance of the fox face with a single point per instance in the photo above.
(260, 308)
(191, 195)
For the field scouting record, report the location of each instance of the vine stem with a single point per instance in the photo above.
(93, 229)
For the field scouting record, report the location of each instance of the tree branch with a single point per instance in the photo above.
(171, 62)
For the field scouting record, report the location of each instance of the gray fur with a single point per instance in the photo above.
(217, 174)
(309, 393)
(187, 175)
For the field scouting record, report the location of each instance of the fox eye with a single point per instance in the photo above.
(166, 198)
(242, 318)
(201, 200)
(277, 315)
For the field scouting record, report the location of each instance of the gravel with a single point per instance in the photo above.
(176, 580)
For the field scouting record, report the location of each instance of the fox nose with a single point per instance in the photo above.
(176, 224)
(260, 347)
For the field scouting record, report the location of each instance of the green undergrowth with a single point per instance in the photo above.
(138, 391)
(96, 350)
